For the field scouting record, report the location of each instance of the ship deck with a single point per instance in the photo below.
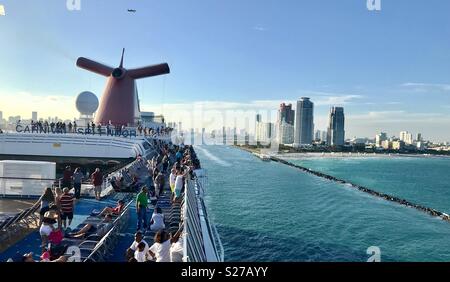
(83, 210)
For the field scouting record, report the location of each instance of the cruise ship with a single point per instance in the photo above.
(122, 143)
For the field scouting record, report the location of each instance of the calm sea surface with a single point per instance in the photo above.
(266, 211)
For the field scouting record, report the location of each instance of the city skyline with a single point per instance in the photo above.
(247, 128)
(355, 59)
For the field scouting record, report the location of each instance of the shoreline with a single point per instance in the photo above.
(310, 155)
(317, 155)
(430, 211)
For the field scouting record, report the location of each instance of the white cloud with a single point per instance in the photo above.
(331, 99)
(426, 87)
(259, 28)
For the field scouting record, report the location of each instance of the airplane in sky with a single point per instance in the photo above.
(131, 10)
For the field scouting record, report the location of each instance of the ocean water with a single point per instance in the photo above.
(421, 180)
(266, 211)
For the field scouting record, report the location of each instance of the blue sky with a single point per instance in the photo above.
(390, 69)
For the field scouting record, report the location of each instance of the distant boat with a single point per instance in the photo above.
(131, 10)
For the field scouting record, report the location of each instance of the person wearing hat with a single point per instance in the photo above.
(47, 227)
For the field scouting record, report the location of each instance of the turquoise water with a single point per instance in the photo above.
(266, 211)
(421, 180)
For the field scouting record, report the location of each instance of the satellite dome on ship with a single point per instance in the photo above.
(87, 103)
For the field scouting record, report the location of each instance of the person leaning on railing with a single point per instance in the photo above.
(161, 249)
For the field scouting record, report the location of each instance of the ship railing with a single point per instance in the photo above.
(192, 233)
(24, 220)
(201, 188)
(105, 246)
(201, 240)
(97, 130)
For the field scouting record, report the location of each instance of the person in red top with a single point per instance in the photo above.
(66, 203)
(97, 181)
(114, 211)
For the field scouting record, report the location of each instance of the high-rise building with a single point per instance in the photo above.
(34, 116)
(336, 128)
(317, 135)
(203, 136)
(192, 136)
(224, 135)
(419, 136)
(1, 116)
(406, 137)
(286, 133)
(258, 120)
(379, 138)
(304, 122)
(286, 113)
(285, 124)
(264, 132)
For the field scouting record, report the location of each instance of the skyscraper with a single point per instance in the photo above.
(258, 120)
(34, 116)
(264, 132)
(285, 124)
(406, 137)
(379, 138)
(336, 127)
(203, 136)
(304, 122)
(286, 113)
(418, 139)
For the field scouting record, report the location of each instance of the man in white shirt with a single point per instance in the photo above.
(138, 238)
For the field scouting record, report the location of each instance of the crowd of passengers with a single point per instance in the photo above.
(57, 211)
(171, 162)
(71, 127)
(178, 162)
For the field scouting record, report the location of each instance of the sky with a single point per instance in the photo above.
(230, 59)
